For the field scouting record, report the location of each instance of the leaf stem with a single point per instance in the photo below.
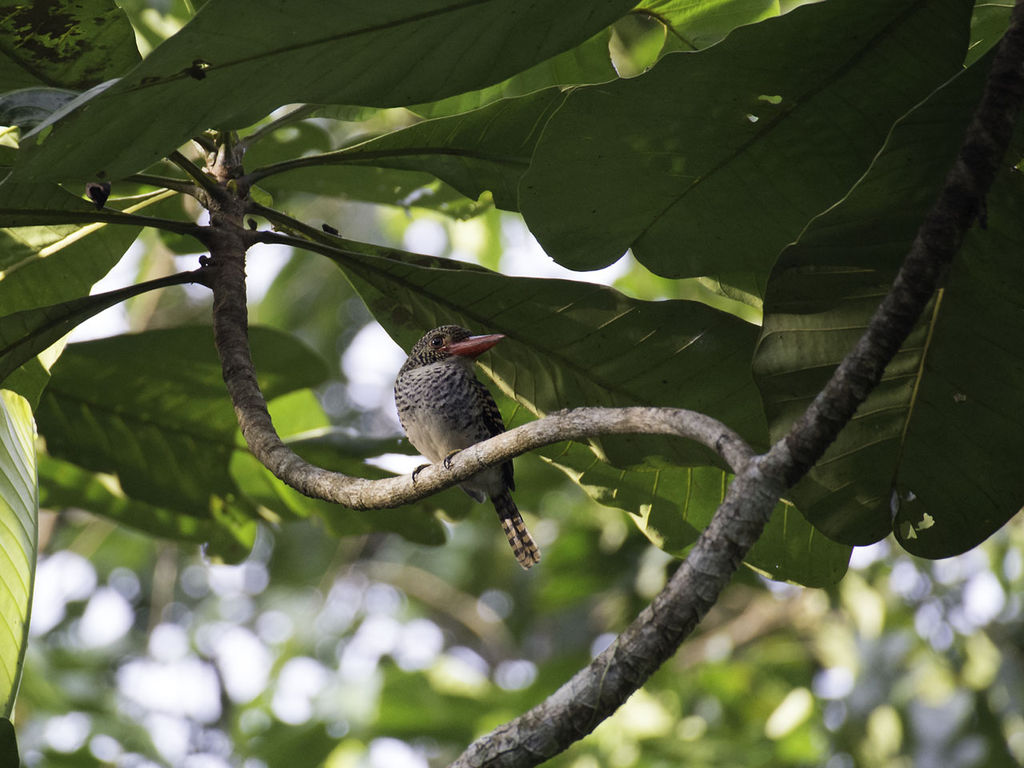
(207, 183)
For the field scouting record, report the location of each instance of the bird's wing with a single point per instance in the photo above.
(495, 426)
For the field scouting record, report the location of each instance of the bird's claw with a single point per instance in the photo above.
(448, 459)
(418, 469)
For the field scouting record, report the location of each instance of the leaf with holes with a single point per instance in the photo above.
(937, 443)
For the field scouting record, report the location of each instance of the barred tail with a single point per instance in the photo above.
(519, 539)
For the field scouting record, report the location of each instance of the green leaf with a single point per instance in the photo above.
(374, 185)
(371, 54)
(67, 43)
(959, 476)
(773, 125)
(151, 408)
(988, 24)
(19, 506)
(27, 334)
(696, 24)
(586, 64)
(65, 485)
(938, 439)
(672, 505)
(487, 149)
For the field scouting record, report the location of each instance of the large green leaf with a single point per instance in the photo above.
(715, 160)
(376, 54)
(486, 149)
(29, 338)
(18, 533)
(161, 451)
(672, 505)
(65, 485)
(68, 43)
(939, 439)
(151, 408)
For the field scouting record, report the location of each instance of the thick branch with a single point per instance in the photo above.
(597, 690)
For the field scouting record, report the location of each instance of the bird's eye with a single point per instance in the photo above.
(436, 341)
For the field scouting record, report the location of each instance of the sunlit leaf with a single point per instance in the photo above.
(696, 24)
(585, 64)
(68, 43)
(484, 150)
(19, 506)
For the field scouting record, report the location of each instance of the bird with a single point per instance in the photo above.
(444, 408)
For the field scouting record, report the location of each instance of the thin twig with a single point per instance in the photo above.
(43, 216)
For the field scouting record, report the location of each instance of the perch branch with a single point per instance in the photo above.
(360, 493)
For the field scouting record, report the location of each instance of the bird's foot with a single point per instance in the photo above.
(447, 461)
(418, 469)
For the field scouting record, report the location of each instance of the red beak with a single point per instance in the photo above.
(475, 346)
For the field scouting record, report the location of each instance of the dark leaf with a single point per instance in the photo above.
(726, 130)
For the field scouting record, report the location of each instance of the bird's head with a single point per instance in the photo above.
(447, 342)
